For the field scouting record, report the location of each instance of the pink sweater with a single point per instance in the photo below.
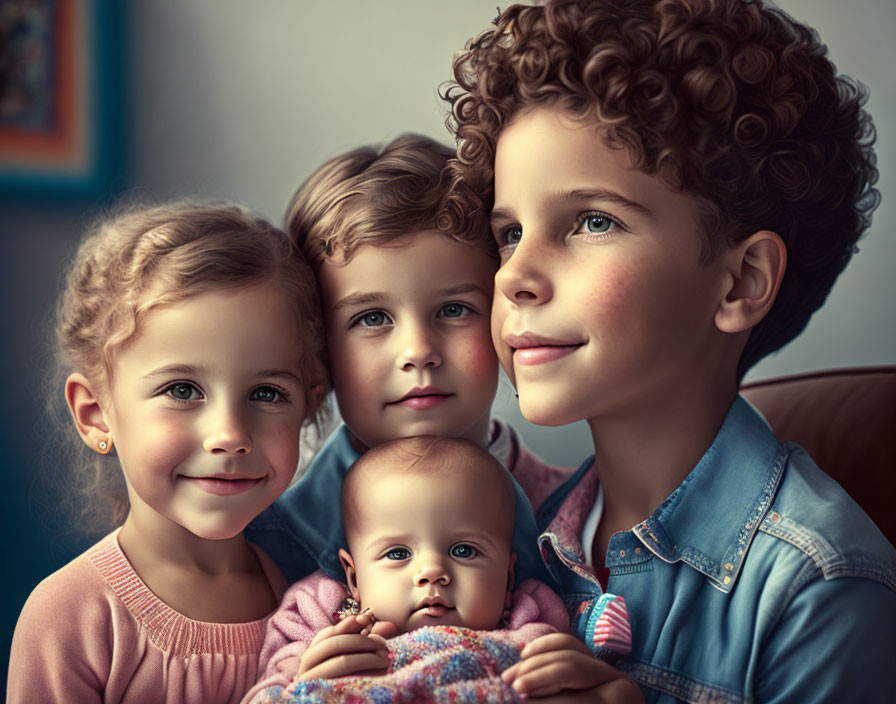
(309, 604)
(94, 632)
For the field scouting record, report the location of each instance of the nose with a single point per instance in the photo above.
(432, 571)
(227, 432)
(524, 277)
(419, 348)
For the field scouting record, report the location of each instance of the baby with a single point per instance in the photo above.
(429, 524)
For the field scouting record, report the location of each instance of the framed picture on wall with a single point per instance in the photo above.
(61, 106)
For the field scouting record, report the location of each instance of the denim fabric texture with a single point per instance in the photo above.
(303, 528)
(757, 580)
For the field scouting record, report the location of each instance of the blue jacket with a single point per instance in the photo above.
(757, 580)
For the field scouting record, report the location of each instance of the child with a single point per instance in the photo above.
(674, 187)
(192, 339)
(406, 311)
(429, 523)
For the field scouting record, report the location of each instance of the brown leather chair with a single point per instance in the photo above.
(846, 421)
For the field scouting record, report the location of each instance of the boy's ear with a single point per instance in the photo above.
(756, 269)
(90, 421)
(351, 578)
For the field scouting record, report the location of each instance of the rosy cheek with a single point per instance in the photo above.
(477, 354)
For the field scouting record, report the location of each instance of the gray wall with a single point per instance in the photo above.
(241, 100)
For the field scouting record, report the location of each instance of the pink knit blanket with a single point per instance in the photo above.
(430, 664)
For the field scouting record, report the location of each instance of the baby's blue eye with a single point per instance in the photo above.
(398, 554)
(266, 394)
(182, 391)
(453, 310)
(464, 551)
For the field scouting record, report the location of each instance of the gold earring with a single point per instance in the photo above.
(104, 445)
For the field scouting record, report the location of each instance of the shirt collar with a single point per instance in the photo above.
(709, 521)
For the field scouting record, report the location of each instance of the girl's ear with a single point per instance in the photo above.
(351, 578)
(756, 269)
(87, 414)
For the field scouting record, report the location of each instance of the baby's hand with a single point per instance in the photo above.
(354, 645)
(559, 668)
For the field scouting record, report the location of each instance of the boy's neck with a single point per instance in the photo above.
(644, 452)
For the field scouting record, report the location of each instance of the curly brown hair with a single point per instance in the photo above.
(730, 101)
(137, 259)
(376, 195)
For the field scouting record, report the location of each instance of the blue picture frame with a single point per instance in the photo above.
(61, 100)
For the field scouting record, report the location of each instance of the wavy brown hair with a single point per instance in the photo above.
(376, 195)
(137, 259)
(730, 101)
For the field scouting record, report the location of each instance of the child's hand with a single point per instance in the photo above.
(354, 645)
(559, 668)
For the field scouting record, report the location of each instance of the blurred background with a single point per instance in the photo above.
(239, 100)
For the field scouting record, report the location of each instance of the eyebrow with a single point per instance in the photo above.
(461, 289)
(589, 194)
(360, 299)
(174, 370)
(187, 370)
(357, 300)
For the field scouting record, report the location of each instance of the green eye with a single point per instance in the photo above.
(182, 391)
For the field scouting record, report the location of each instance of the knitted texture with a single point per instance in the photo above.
(431, 664)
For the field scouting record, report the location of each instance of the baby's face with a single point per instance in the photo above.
(432, 550)
(408, 339)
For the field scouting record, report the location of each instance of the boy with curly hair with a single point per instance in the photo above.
(674, 186)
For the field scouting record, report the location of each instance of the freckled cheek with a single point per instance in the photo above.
(610, 299)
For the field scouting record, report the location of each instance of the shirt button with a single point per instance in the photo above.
(622, 553)
(637, 551)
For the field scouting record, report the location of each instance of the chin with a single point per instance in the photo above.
(539, 413)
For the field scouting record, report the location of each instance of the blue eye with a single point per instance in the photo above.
(453, 310)
(596, 224)
(371, 319)
(183, 391)
(398, 554)
(464, 551)
(267, 394)
(512, 235)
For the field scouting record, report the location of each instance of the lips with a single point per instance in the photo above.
(422, 398)
(433, 606)
(224, 484)
(531, 349)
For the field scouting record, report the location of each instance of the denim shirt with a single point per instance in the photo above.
(302, 530)
(757, 580)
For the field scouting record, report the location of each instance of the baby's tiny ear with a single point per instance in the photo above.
(756, 269)
(351, 577)
(83, 402)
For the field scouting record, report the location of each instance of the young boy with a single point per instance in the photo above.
(674, 187)
(406, 311)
